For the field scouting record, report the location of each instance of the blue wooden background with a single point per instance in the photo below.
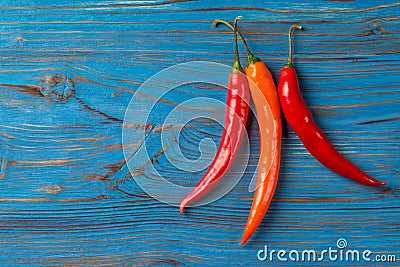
(68, 70)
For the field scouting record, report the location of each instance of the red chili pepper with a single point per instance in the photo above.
(300, 119)
(234, 128)
(265, 98)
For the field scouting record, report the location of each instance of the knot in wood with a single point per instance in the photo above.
(57, 87)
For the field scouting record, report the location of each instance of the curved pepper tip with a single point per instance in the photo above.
(244, 240)
(373, 182)
(182, 207)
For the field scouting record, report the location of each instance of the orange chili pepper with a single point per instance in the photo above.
(263, 88)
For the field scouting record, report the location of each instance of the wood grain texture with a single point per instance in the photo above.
(68, 71)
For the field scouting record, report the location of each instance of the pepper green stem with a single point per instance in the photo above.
(289, 63)
(236, 63)
(251, 59)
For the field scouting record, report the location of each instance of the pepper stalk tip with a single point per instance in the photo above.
(216, 22)
(289, 62)
(236, 64)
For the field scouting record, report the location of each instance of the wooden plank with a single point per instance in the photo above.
(68, 71)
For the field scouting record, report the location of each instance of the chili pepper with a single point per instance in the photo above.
(234, 127)
(263, 82)
(300, 119)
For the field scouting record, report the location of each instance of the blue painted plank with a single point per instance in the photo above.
(67, 197)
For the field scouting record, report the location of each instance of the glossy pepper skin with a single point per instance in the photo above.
(265, 98)
(234, 127)
(268, 174)
(300, 119)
